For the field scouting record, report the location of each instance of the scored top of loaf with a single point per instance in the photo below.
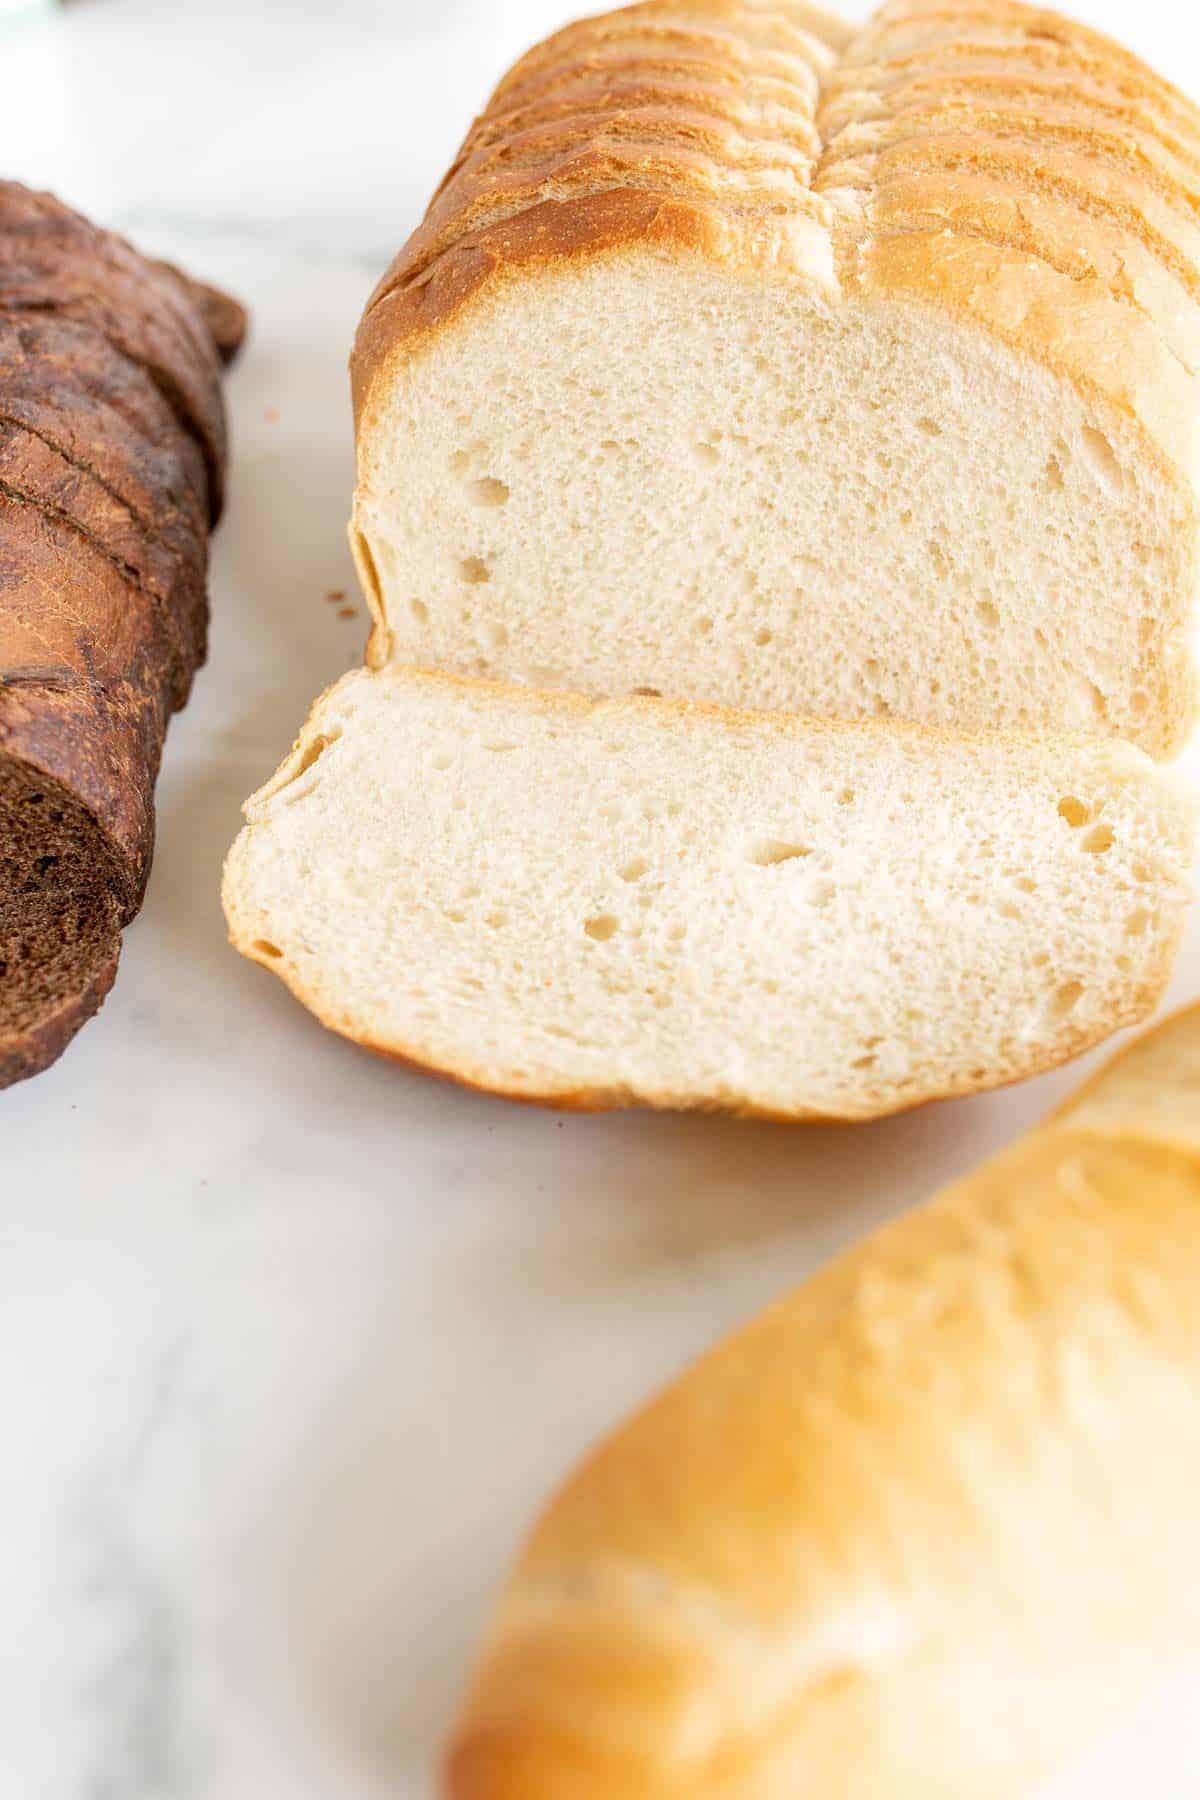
(982, 156)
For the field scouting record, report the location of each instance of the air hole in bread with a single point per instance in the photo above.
(1137, 923)
(1065, 999)
(770, 851)
(501, 749)
(487, 491)
(1056, 481)
(493, 635)
(705, 453)
(1092, 699)
(847, 797)
(929, 426)
(648, 693)
(419, 610)
(264, 947)
(822, 891)
(1073, 811)
(460, 462)
(602, 927)
(762, 636)
(1099, 840)
(368, 572)
(988, 613)
(1101, 460)
(634, 869)
(704, 625)
(474, 570)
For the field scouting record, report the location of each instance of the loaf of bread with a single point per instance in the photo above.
(112, 456)
(745, 357)
(592, 904)
(918, 1531)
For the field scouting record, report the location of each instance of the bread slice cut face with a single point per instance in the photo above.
(746, 359)
(639, 901)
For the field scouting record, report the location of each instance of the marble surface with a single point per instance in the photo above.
(292, 1342)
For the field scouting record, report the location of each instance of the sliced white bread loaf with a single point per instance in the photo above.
(591, 904)
(747, 358)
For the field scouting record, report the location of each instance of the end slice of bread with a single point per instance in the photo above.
(640, 901)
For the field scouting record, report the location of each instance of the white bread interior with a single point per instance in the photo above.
(647, 474)
(640, 901)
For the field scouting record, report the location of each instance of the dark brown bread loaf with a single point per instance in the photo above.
(112, 459)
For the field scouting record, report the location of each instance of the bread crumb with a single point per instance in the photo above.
(347, 612)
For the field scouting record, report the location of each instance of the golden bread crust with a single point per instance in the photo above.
(993, 161)
(908, 1532)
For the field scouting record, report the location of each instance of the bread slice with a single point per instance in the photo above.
(747, 358)
(62, 905)
(591, 904)
(917, 1532)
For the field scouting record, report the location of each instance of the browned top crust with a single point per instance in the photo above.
(985, 157)
(53, 261)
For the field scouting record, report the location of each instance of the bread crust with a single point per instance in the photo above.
(112, 452)
(53, 261)
(917, 1530)
(735, 133)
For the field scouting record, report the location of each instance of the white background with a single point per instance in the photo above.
(292, 1343)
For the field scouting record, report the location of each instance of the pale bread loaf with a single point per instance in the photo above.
(919, 1531)
(594, 904)
(748, 358)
